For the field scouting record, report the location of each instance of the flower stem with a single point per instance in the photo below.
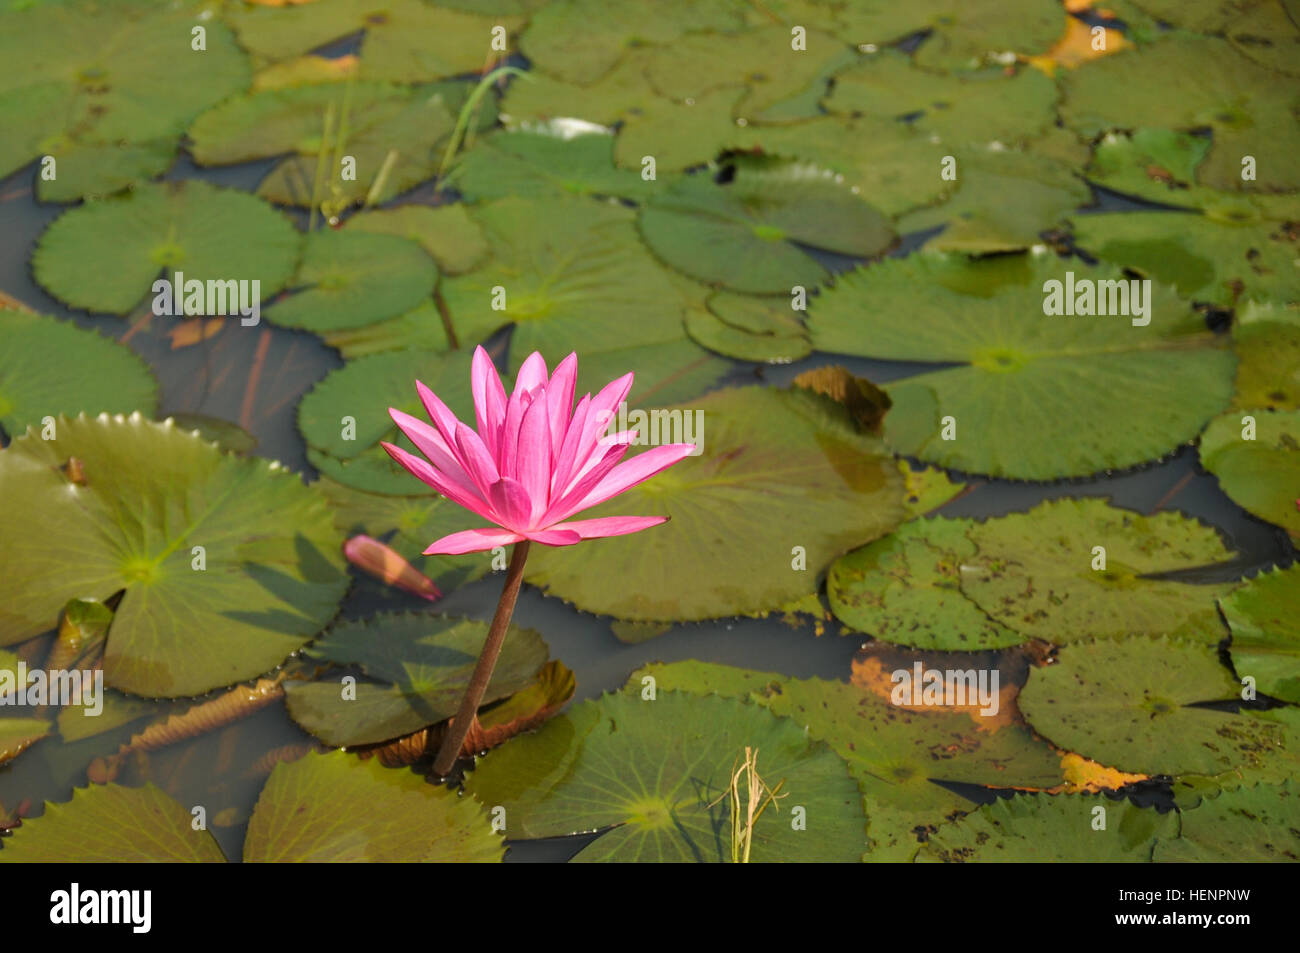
(459, 726)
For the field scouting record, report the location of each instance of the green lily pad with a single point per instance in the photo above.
(1264, 616)
(761, 447)
(406, 41)
(580, 41)
(381, 120)
(104, 256)
(1033, 572)
(420, 329)
(91, 373)
(1267, 341)
(928, 488)
(624, 91)
(666, 373)
(572, 277)
(678, 135)
(747, 235)
(1259, 824)
(447, 233)
(969, 108)
(967, 33)
(656, 773)
(1042, 828)
(19, 734)
(1065, 379)
(421, 664)
(76, 87)
(749, 328)
(1268, 33)
(1218, 261)
(906, 589)
(109, 823)
(1185, 81)
(271, 573)
(345, 416)
(1260, 475)
(351, 279)
(1003, 202)
(545, 160)
(1127, 703)
(894, 753)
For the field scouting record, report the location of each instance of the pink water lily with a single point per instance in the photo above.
(534, 461)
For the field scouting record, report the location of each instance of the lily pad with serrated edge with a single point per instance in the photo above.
(420, 329)
(18, 732)
(1033, 571)
(446, 232)
(351, 279)
(1045, 828)
(1259, 824)
(967, 108)
(895, 754)
(749, 328)
(1221, 262)
(109, 823)
(571, 274)
(905, 588)
(1260, 475)
(75, 87)
(655, 775)
(748, 235)
(1185, 81)
(421, 666)
(1128, 703)
(1264, 616)
(1273, 762)
(792, 454)
(104, 256)
(345, 416)
(50, 367)
(542, 160)
(407, 41)
(381, 120)
(1267, 341)
(1062, 379)
(272, 573)
(928, 488)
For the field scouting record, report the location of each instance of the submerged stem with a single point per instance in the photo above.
(459, 726)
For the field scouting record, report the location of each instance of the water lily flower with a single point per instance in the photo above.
(387, 564)
(534, 462)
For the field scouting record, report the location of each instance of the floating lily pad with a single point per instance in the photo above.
(421, 664)
(1258, 824)
(748, 234)
(345, 416)
(272, 568)
(835, 487)
(1128, 703)
(381, 120)
(969, 108)
(1260, 475)
(666, 373)
(104, 256)
(749, 328)
(1034, 571)
(656, 774)
(420, 329)
(19, 734)
(545, 160)
(447, 233)
(75, 87)
(1221, 262)
(623, 92)
(905, 588)
(1267, 341)
(91, 373)
(1065, 379)
(1264, 616)
(895, 754)
(108, 823)
(929, 488)
(677, 135)
(1155, 164)
(351, 279)
(1184, 81)
(406, 41)
(1042, 828)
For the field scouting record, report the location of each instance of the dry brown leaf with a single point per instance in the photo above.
(207, 716)
(1075, 48)
(194, 331)
(870, 673)
(865, 402)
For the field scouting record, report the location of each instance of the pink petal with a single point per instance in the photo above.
(472, 541)
(559, 400)
(610, 525)
(424, 471)
(637, 470)
(439, 413)
(508, 438)
(533, 457)
(478, 462)
(569, 503)
(511, 503)
(569, 449)
(532, 374)
(430, 443)
(555, 537)
(603, 408)
(489, 398)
